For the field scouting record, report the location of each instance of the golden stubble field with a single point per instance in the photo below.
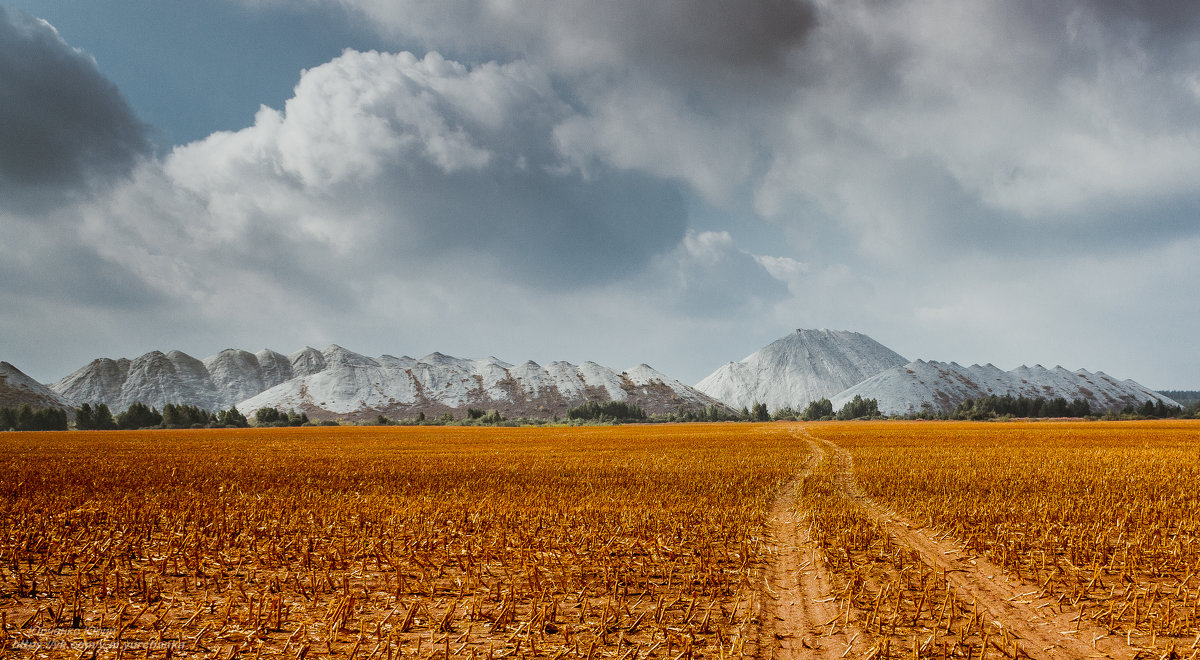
(628, 541)
(828, 540)
(1102, 518)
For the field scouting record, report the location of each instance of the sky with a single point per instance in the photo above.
(670, 182)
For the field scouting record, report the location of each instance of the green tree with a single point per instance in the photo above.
(85, 419)
(267, 416)
(139, 416)
(28, 418)
(184, 416)
(759, 412)
(25, 417)
(232, 418)
(1056, 407)
(173, 417)
(859, 408)
(785, 413)
(1081, 408)
(820, 409)
(103, 418)
(51, 419)
(492, 416)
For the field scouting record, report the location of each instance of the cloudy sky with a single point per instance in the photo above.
(676, 182)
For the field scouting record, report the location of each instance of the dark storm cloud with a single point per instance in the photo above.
(62, 124)
(1159, 18)
(1086, 37)
(708, 35)
(689, 38)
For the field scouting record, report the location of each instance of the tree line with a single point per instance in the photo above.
(142, 416)
(99, 417)
(181, 416)
(27, 418)
(995, 407)
(822, 409)
(982, 408)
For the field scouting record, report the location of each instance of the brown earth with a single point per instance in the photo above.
(801, 618)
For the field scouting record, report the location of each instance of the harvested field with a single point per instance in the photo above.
(1055, 539)
(827, 540)
(617, 542)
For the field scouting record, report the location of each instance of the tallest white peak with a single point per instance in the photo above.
(803, 366)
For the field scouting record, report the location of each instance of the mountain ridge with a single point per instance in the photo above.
(939, 387)
(337, 382)
(808, 365)
(803, 366)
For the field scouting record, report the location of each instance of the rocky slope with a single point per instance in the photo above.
(340, 383)
(238, 375)
(154, 379)
(17, 389)
(353, 386)
(158, 378)
(804, 366)
(941, 386)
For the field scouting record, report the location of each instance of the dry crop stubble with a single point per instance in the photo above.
(617, 542)
(1102, 519)
(603, 542)
(891, 603)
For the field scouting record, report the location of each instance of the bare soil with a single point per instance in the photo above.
(801, 618)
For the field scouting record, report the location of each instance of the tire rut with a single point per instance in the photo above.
(1017, 611)
(801, 616)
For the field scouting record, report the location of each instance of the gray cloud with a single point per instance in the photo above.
(681, 90)
(1152, 19)
(947, 173)
(704, 37)
(545, 230)
(705, 42)
(62, 124)
(921, 125)
(1021, 129)
(390, 167)
(77, 277)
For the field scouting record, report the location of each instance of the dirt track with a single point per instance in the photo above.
(803, 618)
